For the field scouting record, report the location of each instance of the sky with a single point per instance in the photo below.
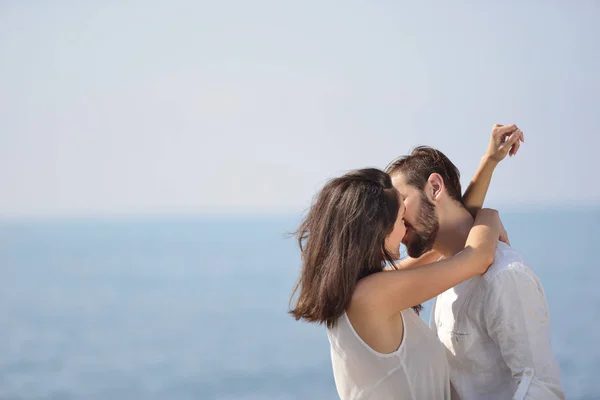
(147, 107)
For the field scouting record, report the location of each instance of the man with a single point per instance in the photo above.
(496, 326)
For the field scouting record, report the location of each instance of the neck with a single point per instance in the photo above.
(453, 232)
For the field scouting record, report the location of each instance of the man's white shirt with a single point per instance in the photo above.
(496, 330)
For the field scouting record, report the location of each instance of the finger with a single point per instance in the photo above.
(506, 129)
(521, 139)
(521, 135)
(507, 146)
(516, 144)
(515, 148)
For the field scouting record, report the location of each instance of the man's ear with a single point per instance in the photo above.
(435, 186)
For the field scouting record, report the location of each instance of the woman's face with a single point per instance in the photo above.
(393, 240)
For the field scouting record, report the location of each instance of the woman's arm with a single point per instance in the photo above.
(504, 140)
(409, 262)
(387, 293)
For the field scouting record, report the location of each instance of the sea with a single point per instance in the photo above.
(196, 307)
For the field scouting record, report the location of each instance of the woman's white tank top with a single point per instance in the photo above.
(417, 370)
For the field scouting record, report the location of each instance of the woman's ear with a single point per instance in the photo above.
(435, 185)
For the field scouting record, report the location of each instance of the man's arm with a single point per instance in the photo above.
(475, 194)
(503, 141)
(517, 320)
(409, 262)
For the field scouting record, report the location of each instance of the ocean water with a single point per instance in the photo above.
(196, 308)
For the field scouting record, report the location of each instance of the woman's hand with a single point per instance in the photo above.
(505, 140)
(484, 236)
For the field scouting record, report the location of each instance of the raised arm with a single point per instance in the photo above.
(387, 293)
(505, 140)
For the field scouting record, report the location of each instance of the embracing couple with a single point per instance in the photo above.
(489, 335)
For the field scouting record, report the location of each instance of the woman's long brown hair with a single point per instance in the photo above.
(342, 240)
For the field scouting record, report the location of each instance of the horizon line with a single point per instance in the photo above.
(250, 214)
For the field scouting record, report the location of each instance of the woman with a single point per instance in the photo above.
(353, 229)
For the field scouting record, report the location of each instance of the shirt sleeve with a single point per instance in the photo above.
(517, 320)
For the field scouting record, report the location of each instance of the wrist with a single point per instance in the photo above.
(489, 160)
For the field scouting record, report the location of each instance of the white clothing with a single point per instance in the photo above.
(417, 370)
(496, 329)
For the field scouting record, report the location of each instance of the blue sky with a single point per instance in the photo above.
(235, 106)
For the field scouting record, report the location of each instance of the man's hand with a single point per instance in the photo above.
(505, 140)
(503, 234)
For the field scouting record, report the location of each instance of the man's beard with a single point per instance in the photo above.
(422, 240)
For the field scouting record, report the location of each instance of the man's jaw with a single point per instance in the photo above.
(403, 241)
(416, 240)
(408, 228)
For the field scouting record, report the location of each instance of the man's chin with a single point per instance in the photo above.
(405, 240)
(415, 252)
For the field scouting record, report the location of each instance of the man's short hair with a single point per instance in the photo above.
(421, 163)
